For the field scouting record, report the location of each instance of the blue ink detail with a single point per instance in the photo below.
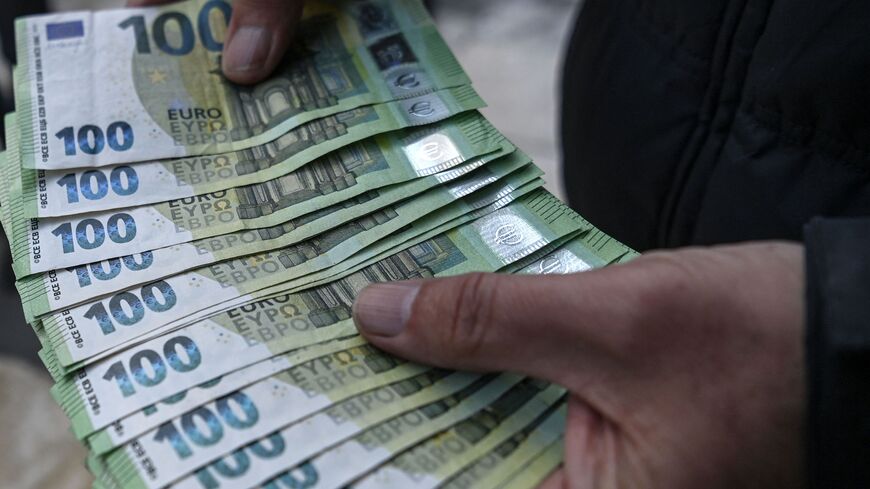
(65, 30)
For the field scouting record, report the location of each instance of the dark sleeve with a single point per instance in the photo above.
(838, 353)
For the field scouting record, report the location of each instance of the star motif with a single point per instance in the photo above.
(157, 76)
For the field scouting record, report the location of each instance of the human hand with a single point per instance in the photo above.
(685, 368)
(257, 38)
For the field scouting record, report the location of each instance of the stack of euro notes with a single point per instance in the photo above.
(188, 250)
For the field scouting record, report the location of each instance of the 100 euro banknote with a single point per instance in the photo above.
(260, 410)
(58, 289)
(340, 465)
(315, 383)
(147, 83)
(93, 398)
(148, 416)
(574, 256)
(39, 245)
(385, 159)
(112, 321)
(491, 469)
(408, 402)
(439, 457)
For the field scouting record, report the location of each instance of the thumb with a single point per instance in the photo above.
(533, 325)
(258, 36)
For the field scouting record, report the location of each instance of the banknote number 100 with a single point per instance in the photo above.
(214, 429)
(99, 271)
(91, 233)
(238, 463)
(185, 30)
(156, 371)
(120, 304)
(93, 184)
(92, 140)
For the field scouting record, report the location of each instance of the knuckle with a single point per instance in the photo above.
(472, 315)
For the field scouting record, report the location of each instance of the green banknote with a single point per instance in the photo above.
(383, 249)
(40, 245)
(93, 398)
(121, 430)
(572, 254)
(488, 471)
(334, 424)
(300, 390)
(318, 432)
(348, 269)
(118, 86)
(594, 250)
(433, 461)
(133, 425)
(116, 320)
(355, 264)
(272, 176)
(11, 188)
(537, 470)
(5, 217)
(59, 289)
(62, 341)
(256, 411)
(342, 464)
(365, 424)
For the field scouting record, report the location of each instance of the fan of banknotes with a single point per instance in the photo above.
(188, 250)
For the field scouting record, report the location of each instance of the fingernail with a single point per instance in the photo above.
(384, 309)
(248, 49)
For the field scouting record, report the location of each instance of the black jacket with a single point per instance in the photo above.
(711, 121)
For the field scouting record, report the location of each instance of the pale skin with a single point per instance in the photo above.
(685, 368)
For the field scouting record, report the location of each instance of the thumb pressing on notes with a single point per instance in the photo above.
(481, 322)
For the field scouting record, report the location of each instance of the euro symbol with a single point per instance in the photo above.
(422, 109)
(408, 80)
(508, 235)
(552, 265)
(432, 151)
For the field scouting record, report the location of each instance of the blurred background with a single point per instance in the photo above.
(512, 50)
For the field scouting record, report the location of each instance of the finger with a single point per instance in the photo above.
(258, 36)
(534, 325)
